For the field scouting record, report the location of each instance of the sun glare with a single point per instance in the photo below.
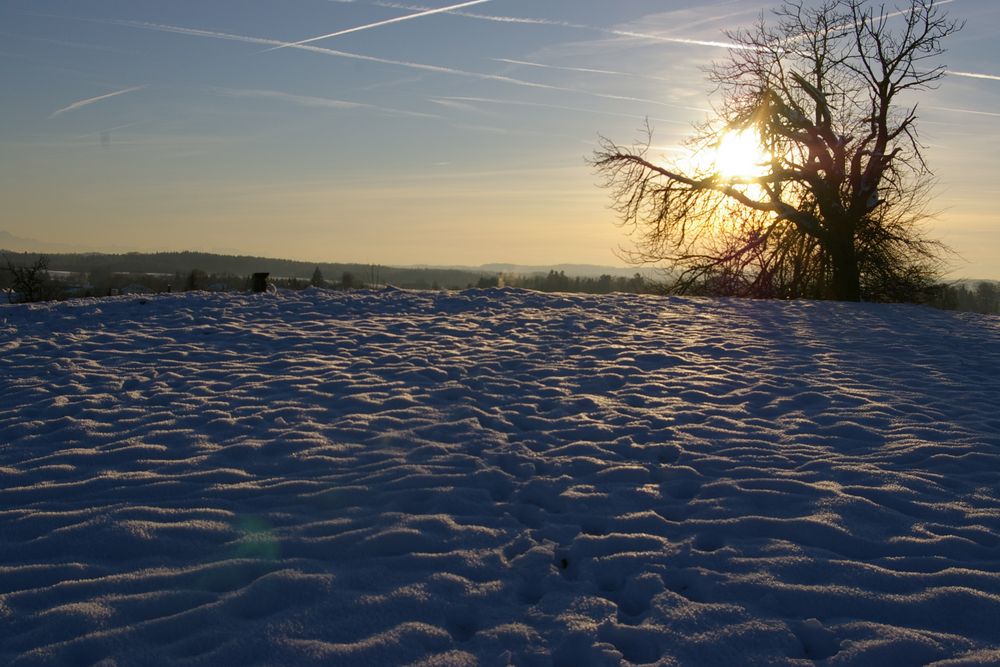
(740, 155)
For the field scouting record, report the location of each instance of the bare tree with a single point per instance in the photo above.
(834, 204)
(31, 283)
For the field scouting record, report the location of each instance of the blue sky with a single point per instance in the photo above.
(452, 137)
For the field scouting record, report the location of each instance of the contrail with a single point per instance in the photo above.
(91, 100)
(992, 114)
(578, 26)
(302, 100)
(312, 101)
(62, 42)
(586, 70)
(194, 32)
(398, 19)
(974, 75)
(569, 69)
(855, 24)
(558, 107)
(454, 104)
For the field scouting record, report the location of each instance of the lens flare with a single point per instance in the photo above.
(740, 155)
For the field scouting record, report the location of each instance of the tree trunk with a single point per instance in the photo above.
(846, 283)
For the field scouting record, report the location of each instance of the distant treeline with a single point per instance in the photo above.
(229, 267)
(558, 281)
(73, 275)
(983, 297)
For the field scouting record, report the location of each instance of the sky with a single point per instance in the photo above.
(447, 133)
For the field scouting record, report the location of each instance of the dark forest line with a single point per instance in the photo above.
(99, 274)
(183, 263)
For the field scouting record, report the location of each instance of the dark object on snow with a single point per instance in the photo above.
(259, 283)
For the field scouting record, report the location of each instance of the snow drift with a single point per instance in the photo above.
(497, 477)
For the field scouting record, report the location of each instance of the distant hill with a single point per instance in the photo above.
(573, 270)
(184, 262)
(21, 244)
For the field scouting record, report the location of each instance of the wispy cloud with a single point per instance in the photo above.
(884, 15)
(904, 12)
(300, 100)
(974, 75)
(975, 112)
(586, 70)
(63, 42)
(91, 100)
(466, 103)
(399, 19)
(576, 26)
(193, 32)
(439, 69)
(459, 105)
(116, 128)
(318, 102)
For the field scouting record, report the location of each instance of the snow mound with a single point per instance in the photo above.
(497, 477)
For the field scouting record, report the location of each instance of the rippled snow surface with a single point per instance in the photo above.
(497, 477)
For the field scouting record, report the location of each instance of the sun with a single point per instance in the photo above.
(739, 155)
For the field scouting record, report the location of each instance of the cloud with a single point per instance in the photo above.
(576, 26)
(466, 103)
(457, 104)
(318, 102)
(424, 12)
(586, 70)
(992, 114)
(65, 43)
(115, 128)
(91, 100)
(438, 69)
(193, 32)
(888, 15)
(301, 100)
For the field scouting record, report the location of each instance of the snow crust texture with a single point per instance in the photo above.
(497, 477)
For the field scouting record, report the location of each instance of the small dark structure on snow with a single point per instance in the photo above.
(259, 282)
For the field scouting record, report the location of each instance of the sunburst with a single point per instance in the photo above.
(739, 155)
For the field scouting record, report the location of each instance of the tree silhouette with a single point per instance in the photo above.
(195, 280)
(31, 283)
(317, 278)
(833, 205)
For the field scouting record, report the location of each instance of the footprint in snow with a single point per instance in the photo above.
(818, 642)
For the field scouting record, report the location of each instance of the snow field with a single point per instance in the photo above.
(497, 477)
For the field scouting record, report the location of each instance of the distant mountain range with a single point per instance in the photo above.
(19, 244)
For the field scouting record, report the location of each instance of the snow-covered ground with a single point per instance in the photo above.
(497, 477)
